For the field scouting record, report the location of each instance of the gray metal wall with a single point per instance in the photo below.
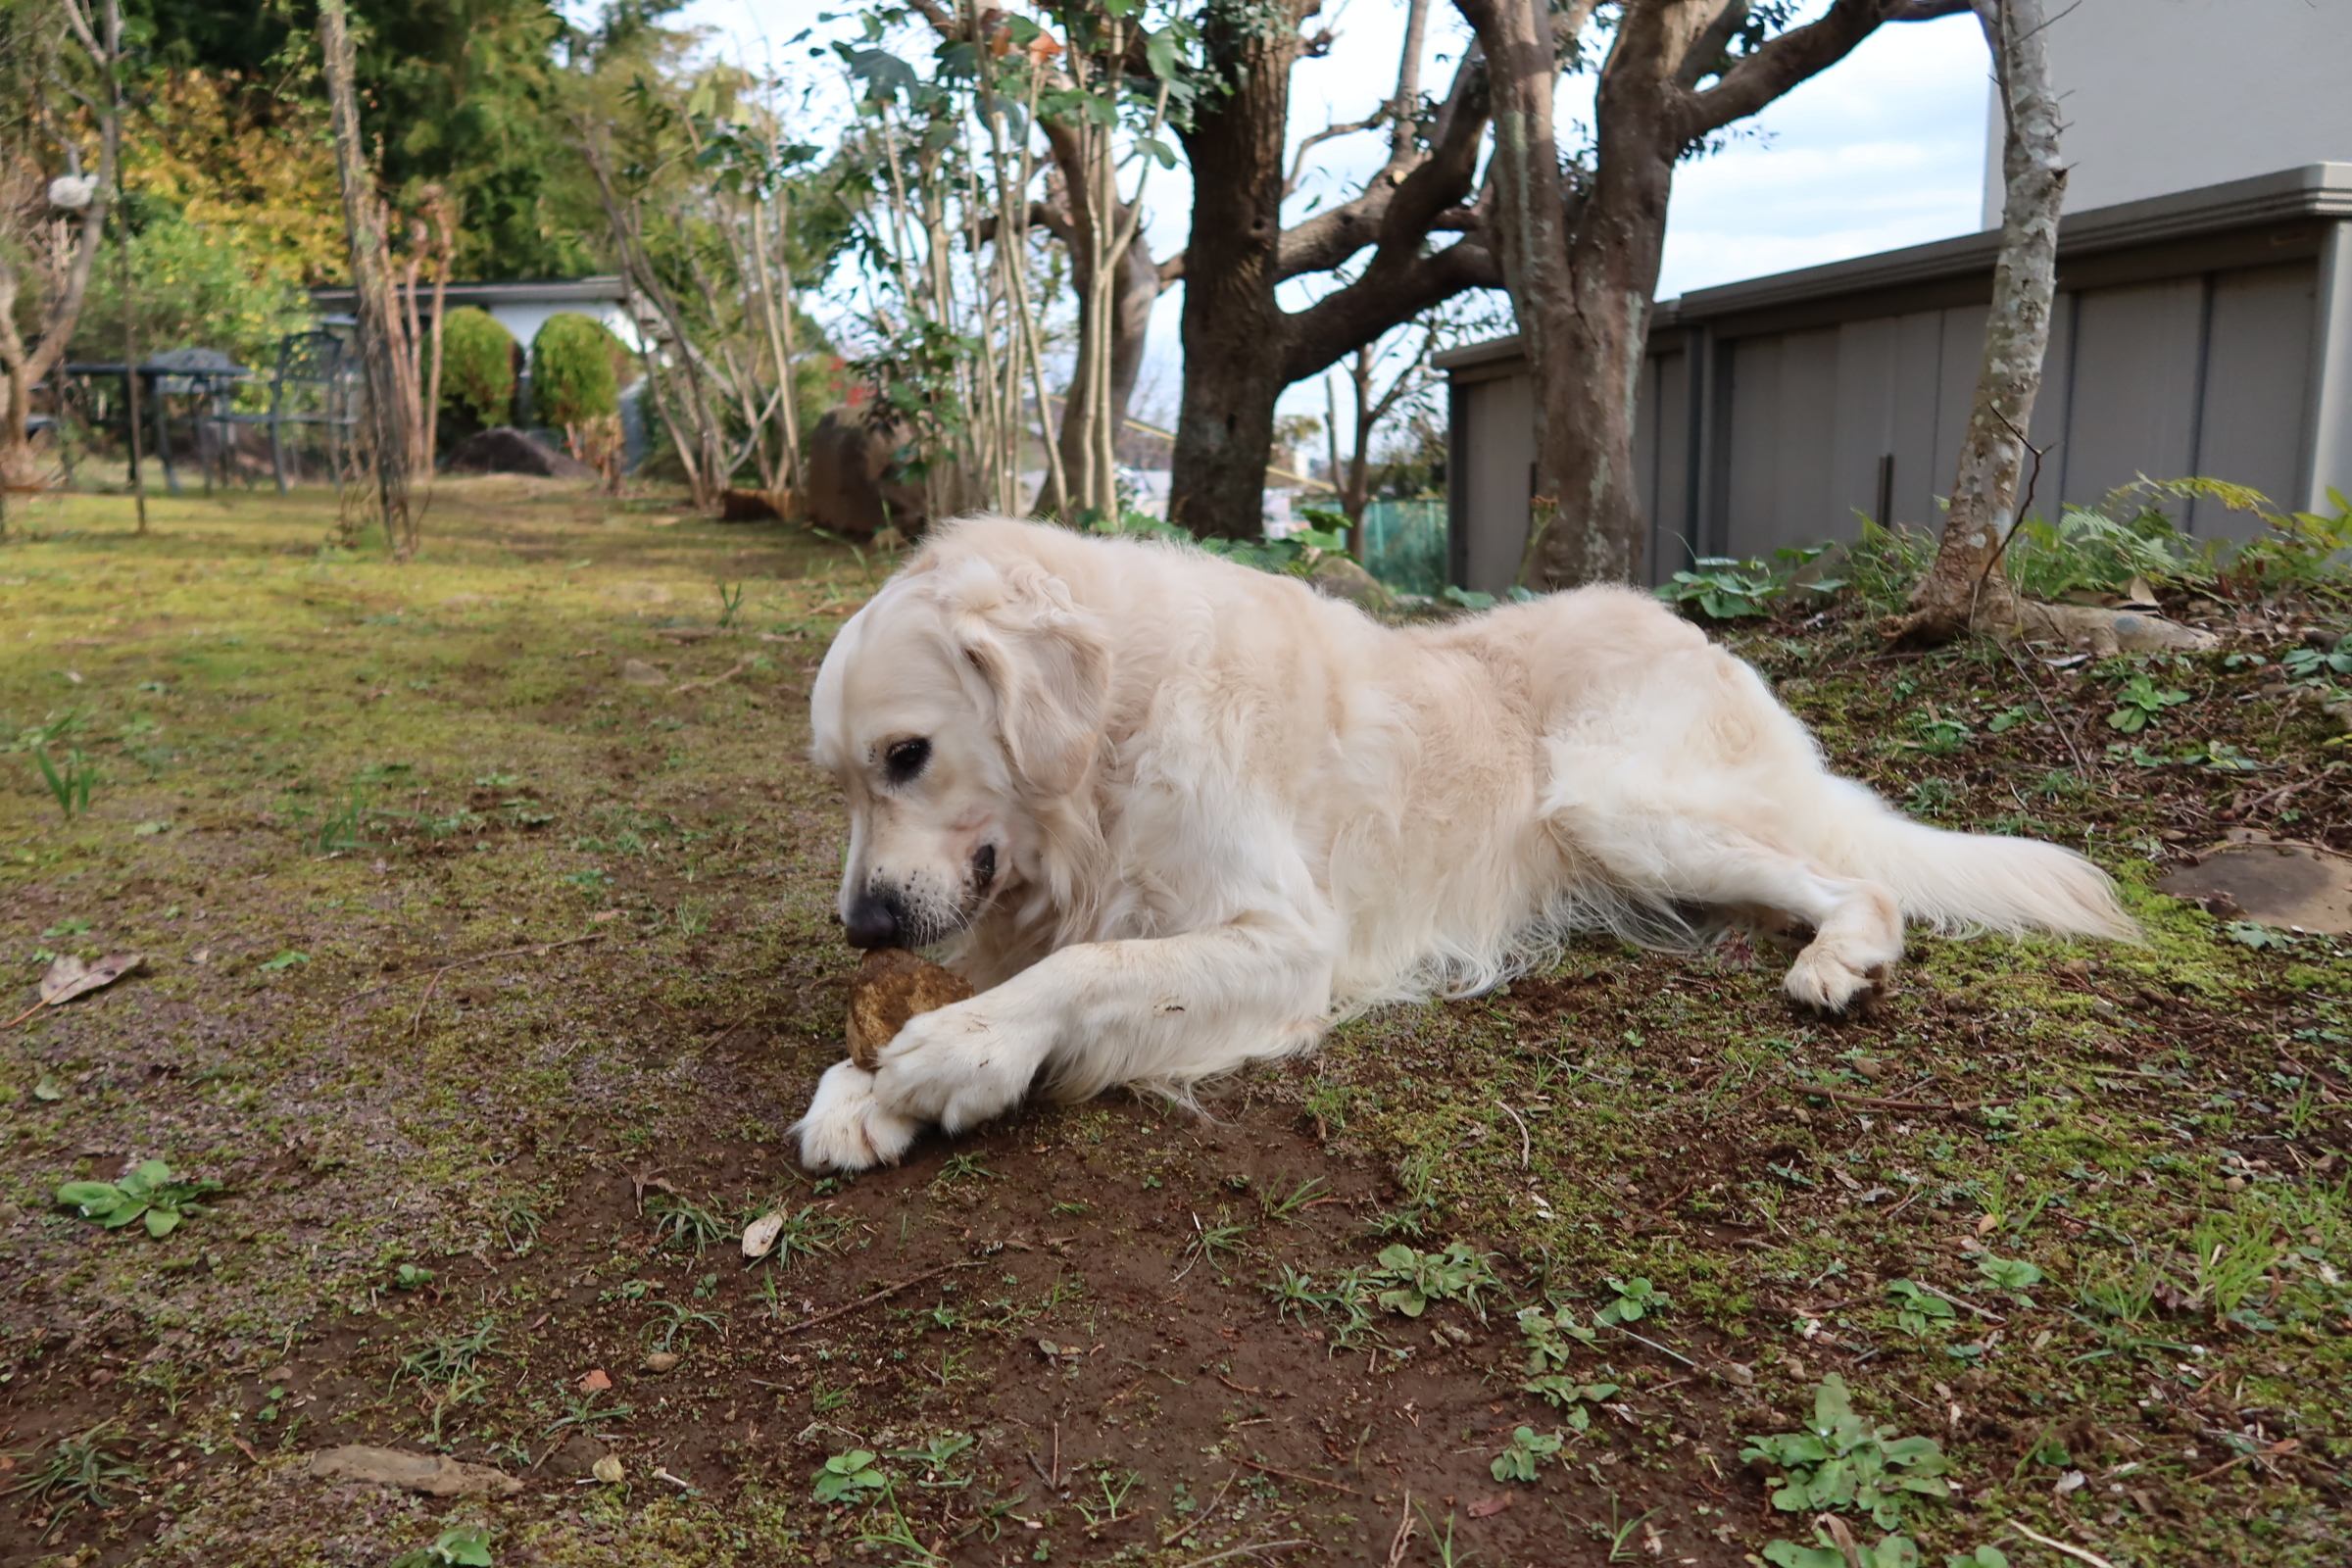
(2208, 374)
(1809, 429)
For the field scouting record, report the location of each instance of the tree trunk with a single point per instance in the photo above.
(1134, 288)
(1967, 585)
(1587, 523)
(1581, 257)
(1225, 430)
(380, 349)
(24, 364)
(1968, 588)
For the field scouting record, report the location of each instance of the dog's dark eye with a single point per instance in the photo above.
(907, 758)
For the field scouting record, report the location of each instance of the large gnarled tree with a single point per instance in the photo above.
(1579, 246)
(1241, 347)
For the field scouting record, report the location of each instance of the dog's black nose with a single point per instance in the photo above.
(872, 922)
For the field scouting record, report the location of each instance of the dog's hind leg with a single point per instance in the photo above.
(1661, 851)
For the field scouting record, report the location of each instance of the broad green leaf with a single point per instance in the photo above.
(1831, 1404)
(1788, 1554)
(93, 1198)
(161, 1222)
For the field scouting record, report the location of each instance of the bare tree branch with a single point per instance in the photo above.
(1330, 237)
(1795, 55)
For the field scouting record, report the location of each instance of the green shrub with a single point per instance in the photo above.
(1883, 564)
(2101, 549)
(202, 285)
(576, 371)
(477, 367)
(1724, 589)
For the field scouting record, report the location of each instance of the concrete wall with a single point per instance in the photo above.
(2166, 95)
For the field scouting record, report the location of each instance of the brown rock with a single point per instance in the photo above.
(435, 1475)
(577, 1457)
(892, 986)
(1340, 577)
(503, 449)
(2292, 886)
(856, 486)
(757, 506)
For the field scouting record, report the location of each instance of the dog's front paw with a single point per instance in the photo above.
(955, 1066)
(1821, 979)
(848, 1128)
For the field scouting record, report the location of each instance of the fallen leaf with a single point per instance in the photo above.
(607, 1470)
(1488, 1507)
(69, 977)
(595, 1382)
(759, 1236)
(47, 1088)
(603, 915)
(1985, 1226)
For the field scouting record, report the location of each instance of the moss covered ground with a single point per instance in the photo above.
(485, 903)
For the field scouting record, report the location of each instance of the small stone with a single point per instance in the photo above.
(2235, 1184)
(661, 1362)
(760, 1235)
(579, 1456)
(637, 673)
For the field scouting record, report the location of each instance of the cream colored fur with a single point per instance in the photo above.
(1226, 811)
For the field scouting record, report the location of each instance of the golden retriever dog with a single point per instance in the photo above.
(1171, 815)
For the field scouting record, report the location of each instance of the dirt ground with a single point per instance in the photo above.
(485, 909)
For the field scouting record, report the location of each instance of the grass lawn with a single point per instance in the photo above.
(485, 904)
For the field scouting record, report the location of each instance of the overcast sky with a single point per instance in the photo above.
(1882, 150)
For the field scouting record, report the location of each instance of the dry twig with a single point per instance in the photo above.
(883, 1293)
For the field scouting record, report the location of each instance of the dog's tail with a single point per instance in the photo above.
(1961, 882)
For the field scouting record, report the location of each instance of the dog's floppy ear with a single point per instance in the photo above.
(1048, 666)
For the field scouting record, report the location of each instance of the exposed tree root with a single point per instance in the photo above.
(2095, 629)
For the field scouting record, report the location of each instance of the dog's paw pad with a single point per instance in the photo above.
(847, 1128)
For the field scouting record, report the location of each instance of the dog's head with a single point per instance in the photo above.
(966, 696)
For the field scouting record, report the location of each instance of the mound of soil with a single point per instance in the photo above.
(503, 449)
